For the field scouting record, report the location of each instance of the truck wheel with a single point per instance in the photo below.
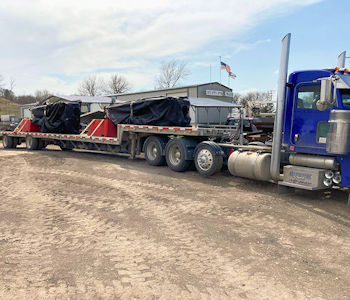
(15, 142)
(41, 144)
(175, 155)
(153, 149)
(206, 160)
(32, 143)
(8, 142)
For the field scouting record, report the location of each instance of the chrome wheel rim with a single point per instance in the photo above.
(205, 159)
(152, 151)
(5, 141)
(29, 142)
(175, 155)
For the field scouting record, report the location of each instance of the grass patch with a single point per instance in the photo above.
(9, 108)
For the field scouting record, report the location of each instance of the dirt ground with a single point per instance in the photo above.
(86, 226)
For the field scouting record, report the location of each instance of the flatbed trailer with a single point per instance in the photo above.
(175, 146)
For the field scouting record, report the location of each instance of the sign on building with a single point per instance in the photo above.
(214, 93)
(218, 93)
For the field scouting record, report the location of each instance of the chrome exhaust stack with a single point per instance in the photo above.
(281, 94)
(341, 60)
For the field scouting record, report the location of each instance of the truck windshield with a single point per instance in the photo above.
(345, 96)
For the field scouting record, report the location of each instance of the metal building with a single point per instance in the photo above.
(213, 90)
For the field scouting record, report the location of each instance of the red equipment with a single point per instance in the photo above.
(27, 126)
(102, 127)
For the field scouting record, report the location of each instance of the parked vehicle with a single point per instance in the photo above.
(257, 129)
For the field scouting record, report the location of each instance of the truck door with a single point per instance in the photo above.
(309, 125)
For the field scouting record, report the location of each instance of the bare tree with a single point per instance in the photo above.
(117, 84)
(7, 93)
(12, 84)
(171, 73)
(262, 100)
(236, 98)
(42, 95)
(91, 86)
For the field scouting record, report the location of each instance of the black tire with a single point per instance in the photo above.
(41, 144)
(153, 149)
(206, 160)
(175, 155)
(8, 142)
(32, 143)
(15, 142)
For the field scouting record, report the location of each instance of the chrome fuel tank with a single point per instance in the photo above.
(338, 139)
(249, 164)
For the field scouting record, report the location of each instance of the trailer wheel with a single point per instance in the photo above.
(15, 142)
(175, 155)
(153, 149)
(8, 142)
(207, 160)
(41, 144)
(32, 143)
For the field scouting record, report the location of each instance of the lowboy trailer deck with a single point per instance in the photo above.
(176, 146)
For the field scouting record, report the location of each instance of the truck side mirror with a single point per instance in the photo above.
(326, 96)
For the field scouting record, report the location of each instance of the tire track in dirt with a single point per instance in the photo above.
(83, 241)
(130, 271)
(208, 208)
(261, 220)
(193, 254)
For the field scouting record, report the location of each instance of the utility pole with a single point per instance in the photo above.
(210, 72)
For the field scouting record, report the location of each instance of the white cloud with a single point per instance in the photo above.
(74, 38)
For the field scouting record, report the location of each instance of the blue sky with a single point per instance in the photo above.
(319, 35)
(55, 44)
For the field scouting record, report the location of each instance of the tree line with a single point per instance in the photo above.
(255, 102)
(170, 74)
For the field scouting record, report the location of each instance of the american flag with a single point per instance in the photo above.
(232, 75)
(228, 69)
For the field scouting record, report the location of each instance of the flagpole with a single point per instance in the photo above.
(210, 72)
(220, 67)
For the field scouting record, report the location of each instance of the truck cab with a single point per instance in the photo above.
(307, 128)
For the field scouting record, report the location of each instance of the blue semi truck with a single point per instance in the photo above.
(311, 144)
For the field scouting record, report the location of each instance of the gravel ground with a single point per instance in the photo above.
(86, 225)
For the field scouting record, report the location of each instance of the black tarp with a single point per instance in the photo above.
(161, 111)
(58, 117)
